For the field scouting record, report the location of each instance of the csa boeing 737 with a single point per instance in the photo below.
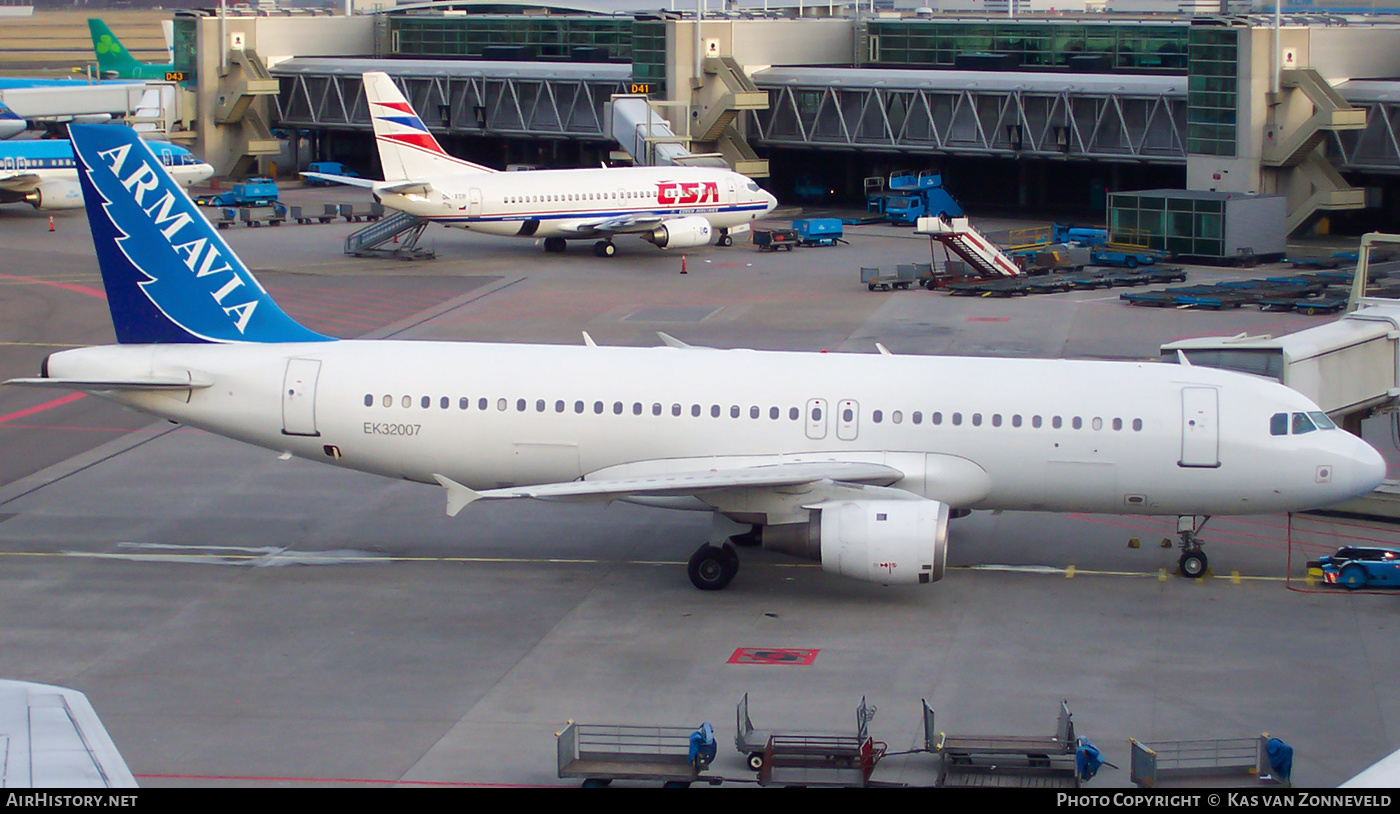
(853, 460)
(672, 207)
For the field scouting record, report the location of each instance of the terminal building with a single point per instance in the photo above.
(1020, 109)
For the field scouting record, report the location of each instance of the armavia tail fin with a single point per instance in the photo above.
(169, 276)
(111, 55)
(407, 151)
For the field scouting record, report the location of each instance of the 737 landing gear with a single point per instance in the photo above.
(724, 238)
(1193, 562)
(604, 248)
(712, 567)
(555, 245)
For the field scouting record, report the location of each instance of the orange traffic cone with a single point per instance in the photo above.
(51, 223)
(682, 264)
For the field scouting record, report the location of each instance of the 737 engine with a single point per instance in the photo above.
(891, 542)
(681, 233)
(56, 195)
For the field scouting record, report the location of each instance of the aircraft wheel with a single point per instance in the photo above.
(1193, 563)
(604, 248)
(711, 568)
(756, 761)
(725, 240)
(555, 245)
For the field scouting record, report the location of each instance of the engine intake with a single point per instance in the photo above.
(681, 233)
(891, 542)
(56, 195)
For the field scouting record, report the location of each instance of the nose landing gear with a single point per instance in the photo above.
(1193, 562)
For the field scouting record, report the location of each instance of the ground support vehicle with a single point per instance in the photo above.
(601, 753)
(1269, 760)
(302, 215)
(757, 744)
(773, 240)
(253, 192)
(818, 232)
(1355, 567)
(1011, 760)
(819, 760)
(906, 274)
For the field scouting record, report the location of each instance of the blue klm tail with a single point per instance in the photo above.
(169, 275)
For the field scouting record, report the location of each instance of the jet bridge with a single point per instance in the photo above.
(1350, 368)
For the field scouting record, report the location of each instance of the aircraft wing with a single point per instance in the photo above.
(51, 738)
(115, 385)
(682, 483)
(640, 222)
(20, 182)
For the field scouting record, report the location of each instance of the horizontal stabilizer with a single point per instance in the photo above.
(341, 179)
(405, 187)
(113, 385)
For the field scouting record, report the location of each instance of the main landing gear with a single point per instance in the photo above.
(555, 245)
(712, 567)
(724, 238)
(604, 248)
(1193, 562)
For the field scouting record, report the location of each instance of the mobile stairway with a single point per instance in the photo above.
(394, 236)
(960, 237)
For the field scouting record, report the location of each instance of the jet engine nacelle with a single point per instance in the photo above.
(892, 542)
(56, 195)
(681, 233)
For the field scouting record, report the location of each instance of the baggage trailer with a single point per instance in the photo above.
(772, 240)
(601, 753)
(1006, 760)
(1267, 759)
(819, 760)
(906, 274)
(755, 744)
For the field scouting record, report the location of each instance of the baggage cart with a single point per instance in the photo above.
(906, 274)
(1267, 759)
(754, 743)
(1022, 761)
(601, 753)
(772, 240)
(819, 760)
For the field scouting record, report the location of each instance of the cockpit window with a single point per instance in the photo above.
(1302, 424)
(753, 187)
(1278, 425)
(1322, 421)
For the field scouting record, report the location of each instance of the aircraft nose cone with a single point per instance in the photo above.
(1370, 468)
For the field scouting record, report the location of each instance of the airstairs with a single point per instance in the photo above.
(394, 236)
(963, 239)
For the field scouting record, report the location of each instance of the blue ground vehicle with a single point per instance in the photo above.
(1354, 567)
(910, 197)
(328, 168)
(253, 192)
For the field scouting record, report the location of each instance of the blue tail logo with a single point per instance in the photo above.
(169, 275)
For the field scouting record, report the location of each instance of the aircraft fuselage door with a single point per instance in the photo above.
(299, 397)
(847, 419)
(816, 418)
(474, 202)
(1200, 427)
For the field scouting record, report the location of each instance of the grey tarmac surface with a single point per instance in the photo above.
(238, 620)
